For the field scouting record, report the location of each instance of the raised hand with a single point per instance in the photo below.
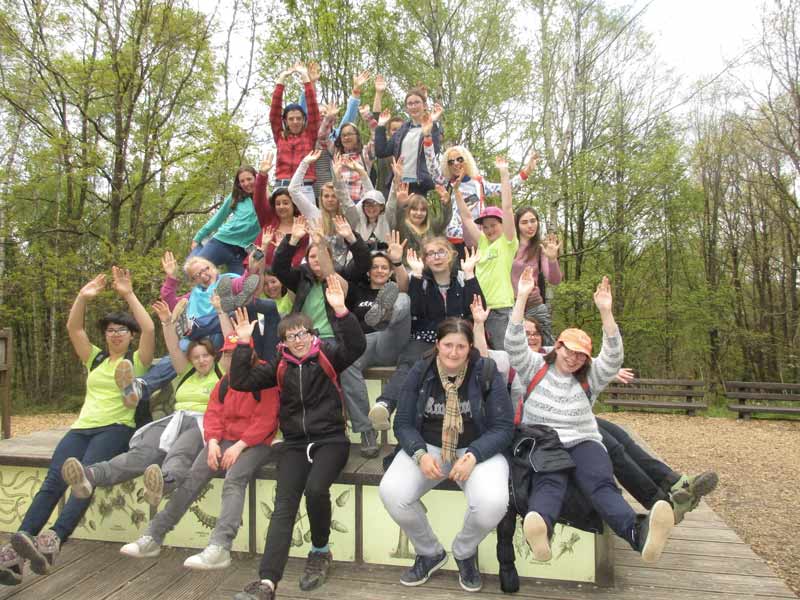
(242, 324)
(122, 281)
(169, 264)
(501, 163)
(380, 83)
(314, 230)
(527, 283)
(360, 79)
(471, 258)
(384, 117)
(94, 287)
(397, 168)
(401, 192)
(444, 195)
(313, 71)
(602, 296)
(334, 294)
(365, 112)
(533, 160)
(331, 109)
(625, 376)
(396, 248)
(216, 302)
(343, 228)
(426, 121)
(312, 156)
(479, 313)
(550, 246)
(437, 112)
(162, 311)
(414, 262)
(298, 228)
(266, 163)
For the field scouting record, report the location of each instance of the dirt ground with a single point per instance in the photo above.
(756, 460)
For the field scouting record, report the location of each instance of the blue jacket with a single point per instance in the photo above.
(493, 417)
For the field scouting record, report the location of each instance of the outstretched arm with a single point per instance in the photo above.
(470, 228)
(147, 341)
(77, 316)
(509, 228)
(178, 358)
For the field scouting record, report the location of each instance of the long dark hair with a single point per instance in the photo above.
(238, 193)
(581, 374)
(282, 191)
(534, 245)
(338, 142)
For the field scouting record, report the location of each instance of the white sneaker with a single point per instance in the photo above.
(213, 557)
(144, 547)
(379, 416)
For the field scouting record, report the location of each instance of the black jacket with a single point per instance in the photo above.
(428, 308)
(300, 279)
(311, 408)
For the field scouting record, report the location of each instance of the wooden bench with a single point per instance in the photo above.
(658, 393)
(749, 397)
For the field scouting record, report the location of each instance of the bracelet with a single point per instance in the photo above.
(399, 263)
(165, 323)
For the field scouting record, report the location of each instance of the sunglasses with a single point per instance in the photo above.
(457, 159)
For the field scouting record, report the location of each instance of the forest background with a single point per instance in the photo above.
(122, 123)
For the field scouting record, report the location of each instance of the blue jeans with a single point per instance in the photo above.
(160, 374)
(221, 253)
(265, 343)
(88, 446)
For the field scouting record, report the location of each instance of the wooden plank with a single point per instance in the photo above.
(762, 385)
(655, 404)
(763, 396)
(755, 408)
(701, 564)
(627, 391)
(151, 582)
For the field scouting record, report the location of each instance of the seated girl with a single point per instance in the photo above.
(315, 447)
(452, 424)
(102, 431)
(238, 428)
(567, 381)
(163, 450)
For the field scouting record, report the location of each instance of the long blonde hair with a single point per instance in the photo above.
(328, 227)
(470, 168)
(413, 201)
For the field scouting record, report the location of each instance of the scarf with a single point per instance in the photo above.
(452, 425)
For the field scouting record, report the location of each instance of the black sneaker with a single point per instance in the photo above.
(316, 571)
(468, 574)
(256, 590)
(27, 547)
(369, 444)
(652, 532)
(381, 309)
(509, 578)
(231, 301)
(424, 567)
(10, 566)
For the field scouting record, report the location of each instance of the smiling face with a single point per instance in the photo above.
(453, 351)
(492, 228)
(379, 271)
(118, 338)
(455, 162)
(247, 181)
(273, 287)
(568, 361)
(417, 210)
(329, 201)
(437, 257)
(284, 207)
(298, 340)
(415, 106)
(528, 225)
(313, 261)
(533, 334)
(202, 273)
(349, 137)
(201, 359)
(295, 121)
(371, 209)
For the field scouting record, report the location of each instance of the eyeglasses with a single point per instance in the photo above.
(348, 134)
(574, 354)
(457, 159)
(298, 336)
(117, 331)
(199, 275)
(533, 334)
(436, 253)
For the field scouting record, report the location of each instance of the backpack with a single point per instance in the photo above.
(192, 371)
(327, 367)
(142, 416)
(534, 382)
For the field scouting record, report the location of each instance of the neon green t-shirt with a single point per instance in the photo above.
(195, 391)
(103, 402)
(314, 307)
(284, 304)
(494, 270)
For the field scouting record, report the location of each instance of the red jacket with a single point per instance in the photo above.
(292, 148)
(240, 417)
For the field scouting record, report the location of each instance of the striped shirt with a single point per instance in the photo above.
(559, 400)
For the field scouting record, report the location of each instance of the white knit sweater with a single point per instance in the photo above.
(559, 400)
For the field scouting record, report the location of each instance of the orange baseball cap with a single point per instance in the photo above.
(576, 340)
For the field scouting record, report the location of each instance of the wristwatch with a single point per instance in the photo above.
(418, 456)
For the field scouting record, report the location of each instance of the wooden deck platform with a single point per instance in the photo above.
(704, 559)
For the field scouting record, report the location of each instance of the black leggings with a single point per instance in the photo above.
(295, 476)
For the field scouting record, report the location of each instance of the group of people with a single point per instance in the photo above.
(381, 252)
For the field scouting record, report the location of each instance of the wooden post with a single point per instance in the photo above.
(6, 371)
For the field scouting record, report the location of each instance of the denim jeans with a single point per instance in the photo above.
(158, 376)
(221, 253)
(88, 446)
